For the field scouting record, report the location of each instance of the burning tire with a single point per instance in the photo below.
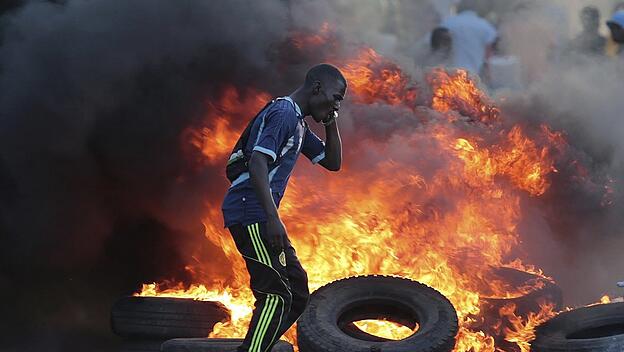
(159, 317)
(541, 289)
(597, 328)
(336, 305)
(537, 290)
(214, 345)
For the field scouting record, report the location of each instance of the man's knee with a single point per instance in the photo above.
(300, 302)
(287, 299)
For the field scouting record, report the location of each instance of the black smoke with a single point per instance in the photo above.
(95, 193)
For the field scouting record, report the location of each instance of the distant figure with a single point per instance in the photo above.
(613, 48)
(441, 45)
(616, 25)
(472, 36)
(589, 41)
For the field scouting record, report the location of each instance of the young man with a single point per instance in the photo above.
(276, 138)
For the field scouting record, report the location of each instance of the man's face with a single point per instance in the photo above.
(326, 99)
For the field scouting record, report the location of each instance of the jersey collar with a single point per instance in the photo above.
(297, 109)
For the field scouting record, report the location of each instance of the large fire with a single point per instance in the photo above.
(438, 203)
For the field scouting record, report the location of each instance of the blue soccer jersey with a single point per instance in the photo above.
(281, 133)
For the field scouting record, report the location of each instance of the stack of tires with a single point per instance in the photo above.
(151, 324)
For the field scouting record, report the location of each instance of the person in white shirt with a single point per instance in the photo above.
(473, 37)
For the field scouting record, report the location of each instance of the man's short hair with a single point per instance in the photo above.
(325, 73)
(440, 37)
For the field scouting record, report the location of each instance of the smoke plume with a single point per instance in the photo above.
(97, 195)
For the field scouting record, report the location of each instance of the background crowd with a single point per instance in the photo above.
(508, 52)
(509, 44)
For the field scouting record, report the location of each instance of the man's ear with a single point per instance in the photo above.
(316, 87)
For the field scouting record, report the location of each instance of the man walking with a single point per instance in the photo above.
(259, 169)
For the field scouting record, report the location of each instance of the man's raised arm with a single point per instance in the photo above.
(333, 148)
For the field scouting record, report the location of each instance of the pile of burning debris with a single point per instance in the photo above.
(434, 213)
(347, 315)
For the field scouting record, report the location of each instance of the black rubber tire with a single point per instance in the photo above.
(597, 328)
(525, 304)
(318, 328)
(141, 346)
(489, 319)
(214, 345)
(165, 318)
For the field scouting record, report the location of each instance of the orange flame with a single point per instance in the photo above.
(303, 40)
(386, 329)
(441, 208)
(374, 79)
(523, 330)
(215, 139)
(458, 93)
(519, 159)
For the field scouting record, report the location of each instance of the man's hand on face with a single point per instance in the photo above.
(276, 232)
(331, 118)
